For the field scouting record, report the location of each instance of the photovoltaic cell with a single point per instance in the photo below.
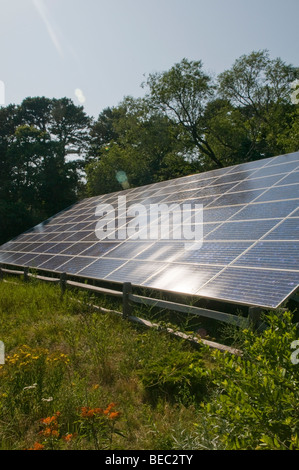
(242, 230)
(279, 193)
(101, 268)
(259, 287)
(286, 230)
(271, 210)
(138, 271)
(267, 254)
(250, 226)
(182, 278)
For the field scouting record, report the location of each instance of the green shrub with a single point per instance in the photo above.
(177, 375)
(257, 399)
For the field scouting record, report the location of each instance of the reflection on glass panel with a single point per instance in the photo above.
(183, 278)
(243, 197)
(256, 183)
(135, 272)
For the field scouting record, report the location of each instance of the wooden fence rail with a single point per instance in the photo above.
(128, 299)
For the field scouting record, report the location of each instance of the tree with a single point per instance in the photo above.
(103, 131)
(43, 143)
(259, 87)
(290, 136)
(144, 146)
(182, 93)
(227, 132)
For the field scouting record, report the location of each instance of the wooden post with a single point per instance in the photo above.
(127, 307)
(254, 315)
(26, 271)
(62, 283)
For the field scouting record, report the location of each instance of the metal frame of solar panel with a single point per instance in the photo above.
(250, 248)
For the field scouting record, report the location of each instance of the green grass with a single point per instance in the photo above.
(75, 379)
(107, 361)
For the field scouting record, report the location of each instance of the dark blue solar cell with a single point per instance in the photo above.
(256, 287)
(220, 214)
(76, 264)
(242, 230)
(270, 210)
(220, 253)
(279, 193)
(286, 230)
(54, 262)
(101, 268)
(100, 248)
(281, 169)
(56, 247)
(268, 254)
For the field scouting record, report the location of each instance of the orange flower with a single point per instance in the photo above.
(46, 432)
(87, 412)
(49, 432)
(84, 411)
(111, 405)
(51, 420)
(98, 411)
(114, 415)
(48, 420)
(68, 437)
(37, 446)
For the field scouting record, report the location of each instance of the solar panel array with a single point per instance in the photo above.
(250, 248)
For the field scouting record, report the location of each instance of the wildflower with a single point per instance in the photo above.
(68, 437)
(98, 411)
(109, 408)
(84, 411)
(49, 420)
(37, 446)
(46, 432)
(114, 415)
(87, 412)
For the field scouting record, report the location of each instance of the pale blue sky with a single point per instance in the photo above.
(104, 47)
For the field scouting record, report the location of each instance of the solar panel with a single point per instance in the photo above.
(248, 253)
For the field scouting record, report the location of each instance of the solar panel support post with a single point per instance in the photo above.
(26, 271)
(254, 315)
(1, 273)
(127, 306)
(63, 279)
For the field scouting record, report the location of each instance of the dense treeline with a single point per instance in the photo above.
(52, 153)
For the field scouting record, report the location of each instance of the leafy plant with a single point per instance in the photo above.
(258, 393)
(176, 375)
